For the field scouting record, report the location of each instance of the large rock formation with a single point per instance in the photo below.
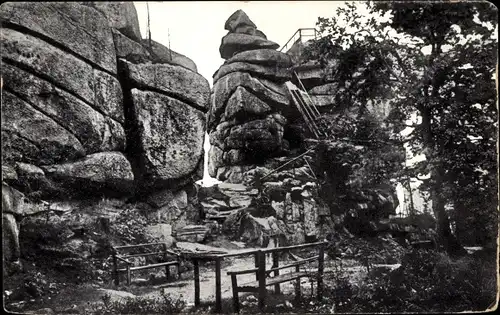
(67, 97)
(257, 135)
(92, 110)
(62, 97)
(249, 103)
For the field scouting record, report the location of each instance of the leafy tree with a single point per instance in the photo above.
(432, 62)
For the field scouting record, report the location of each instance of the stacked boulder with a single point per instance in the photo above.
(249, 103)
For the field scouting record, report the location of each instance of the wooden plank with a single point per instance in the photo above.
(304, 88)
(320, 271)
(301, 111)
(297, 263)
(283, 165)
(218, 298)
(286, 277)
(256, 262)
(236, 301)
(310, 168)
(297, 286)
(143, 254)
(165, 257)
(116, 276)
(306, 108)
(129, 276)
(196, 282)
(308, 111)
(262, 280)
(168, 263)
(241, 272)
(167, 272)
(241, 253)
(137, 245)
(301, 246)
(276, 271)
(123, 259)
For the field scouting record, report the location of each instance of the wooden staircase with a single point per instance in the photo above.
(306, 108)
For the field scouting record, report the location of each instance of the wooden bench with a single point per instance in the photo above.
(264, 279)
(168, 258)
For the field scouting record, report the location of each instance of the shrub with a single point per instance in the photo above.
(129, 227)
(166, 304)
(430, 281)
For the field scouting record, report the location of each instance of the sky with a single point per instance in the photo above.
(196, 28)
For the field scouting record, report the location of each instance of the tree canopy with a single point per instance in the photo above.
(433, 63)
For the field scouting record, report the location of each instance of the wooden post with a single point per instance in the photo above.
(236, 300)
(297, 287)
(321, 260)
(196, 282)
(262, 279)
(128, 274)
(167, 272)
(165, 258)
(256, 260)
(178, 268)
(115, 270)
(276, 272)
(218, 302)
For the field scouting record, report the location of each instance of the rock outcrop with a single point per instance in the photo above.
(91, 110)
(80, 81)
(62, 97)
(249, 103)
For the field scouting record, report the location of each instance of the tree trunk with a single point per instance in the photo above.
(445, 238)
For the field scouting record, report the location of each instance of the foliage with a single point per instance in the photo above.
(367, 250)
(379, 160)
(428, 281)
(129, 227)
(166, 304)
(433, 64)
(34, 285)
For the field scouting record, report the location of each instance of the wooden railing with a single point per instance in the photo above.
(196, 258)
(156, 249)
(263, 278)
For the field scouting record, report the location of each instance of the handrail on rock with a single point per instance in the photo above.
(299, 31)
